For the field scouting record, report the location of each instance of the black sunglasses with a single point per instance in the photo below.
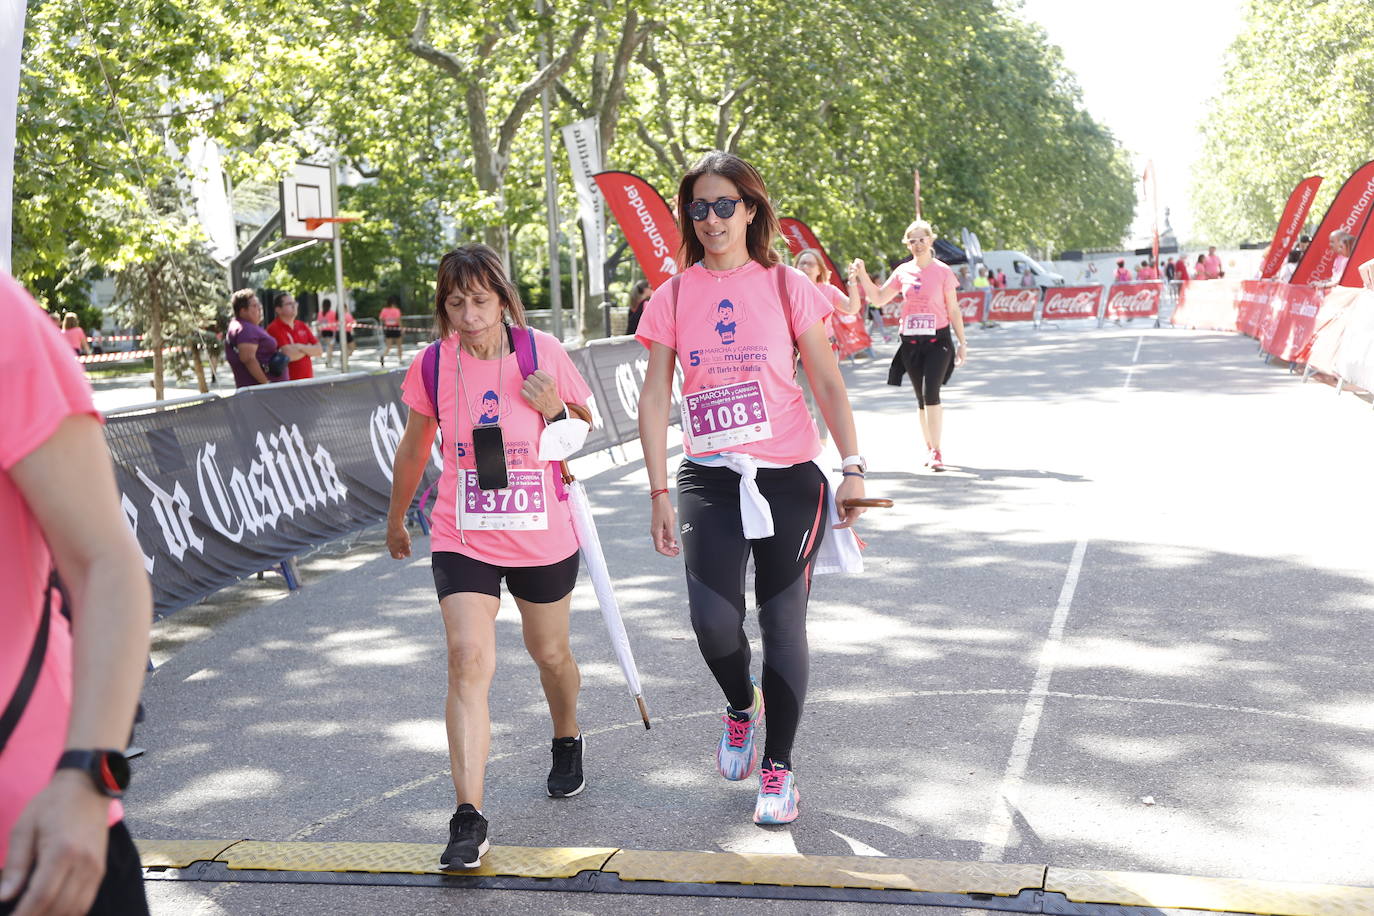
(725, 208)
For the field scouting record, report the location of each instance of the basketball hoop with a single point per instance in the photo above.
(314, 222)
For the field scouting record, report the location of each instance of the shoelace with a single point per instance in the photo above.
(736, 732)
(564, 758)
(772, 781)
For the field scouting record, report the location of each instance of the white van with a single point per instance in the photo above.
(1014, 264)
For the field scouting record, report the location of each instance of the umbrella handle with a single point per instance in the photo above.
(643, 711)
(867, 504)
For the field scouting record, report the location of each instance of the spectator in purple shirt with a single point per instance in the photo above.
(248, 347)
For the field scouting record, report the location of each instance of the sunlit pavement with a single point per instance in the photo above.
(1128, 629)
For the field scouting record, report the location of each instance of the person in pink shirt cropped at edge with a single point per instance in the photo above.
(1211, 265)
(76, 338)
(749, 483)
(521, 532)
(390, 317)
(64, 848)
(930, 311)
(328, 326)
(812, 263)
(1123, 273)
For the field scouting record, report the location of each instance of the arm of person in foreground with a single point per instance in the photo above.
(59, 841)
(956, 318)
(828, 386)
(876, 297)
(406, 470)
(654, 400)
(248, 355)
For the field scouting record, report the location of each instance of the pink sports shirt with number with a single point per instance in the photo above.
(521, 426)
(924, 289)
(734, 330)
(43, 386)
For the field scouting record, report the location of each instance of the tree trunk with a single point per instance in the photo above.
(199, 366)
(155, 331)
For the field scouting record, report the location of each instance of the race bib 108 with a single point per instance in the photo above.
(718, 418)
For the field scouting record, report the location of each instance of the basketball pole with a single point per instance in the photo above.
(341, 309)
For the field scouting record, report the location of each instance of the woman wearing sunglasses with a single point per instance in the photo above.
(929, 309)
(733, 320)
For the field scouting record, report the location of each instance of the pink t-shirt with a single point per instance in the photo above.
(76, 338)
(532, 488)
(43, 386)
(730, 331)
(839, 302)
(1212, 265)
(391, 317)
(924, 291)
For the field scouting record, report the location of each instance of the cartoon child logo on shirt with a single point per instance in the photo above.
(491, 409)
(725, 321)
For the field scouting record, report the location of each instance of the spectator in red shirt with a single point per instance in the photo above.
(286, 330)
(1180, 268)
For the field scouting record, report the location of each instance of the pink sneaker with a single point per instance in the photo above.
(738, 751)
(936, 463)
(778, 796)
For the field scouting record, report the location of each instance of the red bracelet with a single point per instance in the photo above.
(654, 494)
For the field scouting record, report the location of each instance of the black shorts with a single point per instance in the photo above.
(391, 333)
(456, 572)
(326, 335)
(121, 890)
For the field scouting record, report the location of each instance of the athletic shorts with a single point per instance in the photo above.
(456, 572)
(326, 334)
(121, 889)
(391, 333)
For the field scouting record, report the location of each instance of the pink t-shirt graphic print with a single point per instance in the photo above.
(734, 341)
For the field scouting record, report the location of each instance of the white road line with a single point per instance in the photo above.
(1134, 359)
(999, 827)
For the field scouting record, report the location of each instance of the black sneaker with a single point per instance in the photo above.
(565, 779)
(467, 839)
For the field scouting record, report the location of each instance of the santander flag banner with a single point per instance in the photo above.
(1349, 211)
(646, 221)
(973, 303)
(1134, 300)
(1063, 303)
(11, 43)
(1013, 304)
(799, 237)
(1290, 225)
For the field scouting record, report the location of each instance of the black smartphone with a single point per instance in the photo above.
(489, 451)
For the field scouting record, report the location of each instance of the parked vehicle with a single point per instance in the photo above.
(1014, 264)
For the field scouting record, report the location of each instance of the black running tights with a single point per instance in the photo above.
(716, 552)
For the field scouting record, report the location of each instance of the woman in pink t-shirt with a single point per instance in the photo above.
(498, 516)
(812, 263)
(930, 310)
(76, 338)
(63, 844)
(734, 320)
(390, 317)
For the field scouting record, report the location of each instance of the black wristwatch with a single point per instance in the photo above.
(562, 415)
(109, 770)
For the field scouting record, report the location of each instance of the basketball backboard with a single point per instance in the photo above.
(307, 192)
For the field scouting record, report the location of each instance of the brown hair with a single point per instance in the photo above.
(761, 232)
(239, 300)
(69, 321)
(820, 262)
(640, 292)
(467, 269)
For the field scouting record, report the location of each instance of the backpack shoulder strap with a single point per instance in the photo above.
(526, 356)
(781, 271)
(429, 370)
(14, 709)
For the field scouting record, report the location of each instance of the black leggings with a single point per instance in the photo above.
(927, 361)
(121, 890)
(716, 552)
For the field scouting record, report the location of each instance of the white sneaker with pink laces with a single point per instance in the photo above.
(778, 796)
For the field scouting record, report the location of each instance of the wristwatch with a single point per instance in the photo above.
(562, 415)
(857, 461)
(109, 770)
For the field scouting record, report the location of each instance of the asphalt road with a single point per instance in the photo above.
(1128, 629)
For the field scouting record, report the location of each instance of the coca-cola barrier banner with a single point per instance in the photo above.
(219, 490)
(647, 222)
(1064, 303)
(1133, 300)
(973, 303)
(1290, 226)
(1013, 304)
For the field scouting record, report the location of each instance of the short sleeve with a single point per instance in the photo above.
(413, 391)
(949, 282)
(303, 328)
(44, 384)
(280, 333)
(837, 299)
(806, 301)
(894, 281)
(657, 324)
(572, 387)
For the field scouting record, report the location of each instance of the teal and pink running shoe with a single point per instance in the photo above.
(778, 795)
(738, 751)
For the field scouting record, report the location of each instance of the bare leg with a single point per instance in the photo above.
(545, 628)
(925, 427)
(932, 421)
(470, 628)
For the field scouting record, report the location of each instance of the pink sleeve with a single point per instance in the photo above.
(413, 391)
(43, 383)
(808, 304)
(657, 324)
(572, 387)
(837, 299)
(950, 283)
(894, 281)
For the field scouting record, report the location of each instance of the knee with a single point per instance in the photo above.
(552, 657)
(470, 663)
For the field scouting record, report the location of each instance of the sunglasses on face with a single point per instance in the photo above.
(725, 208)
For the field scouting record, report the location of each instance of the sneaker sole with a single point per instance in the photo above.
(481, 851)
(796, 812)
(577, 791)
